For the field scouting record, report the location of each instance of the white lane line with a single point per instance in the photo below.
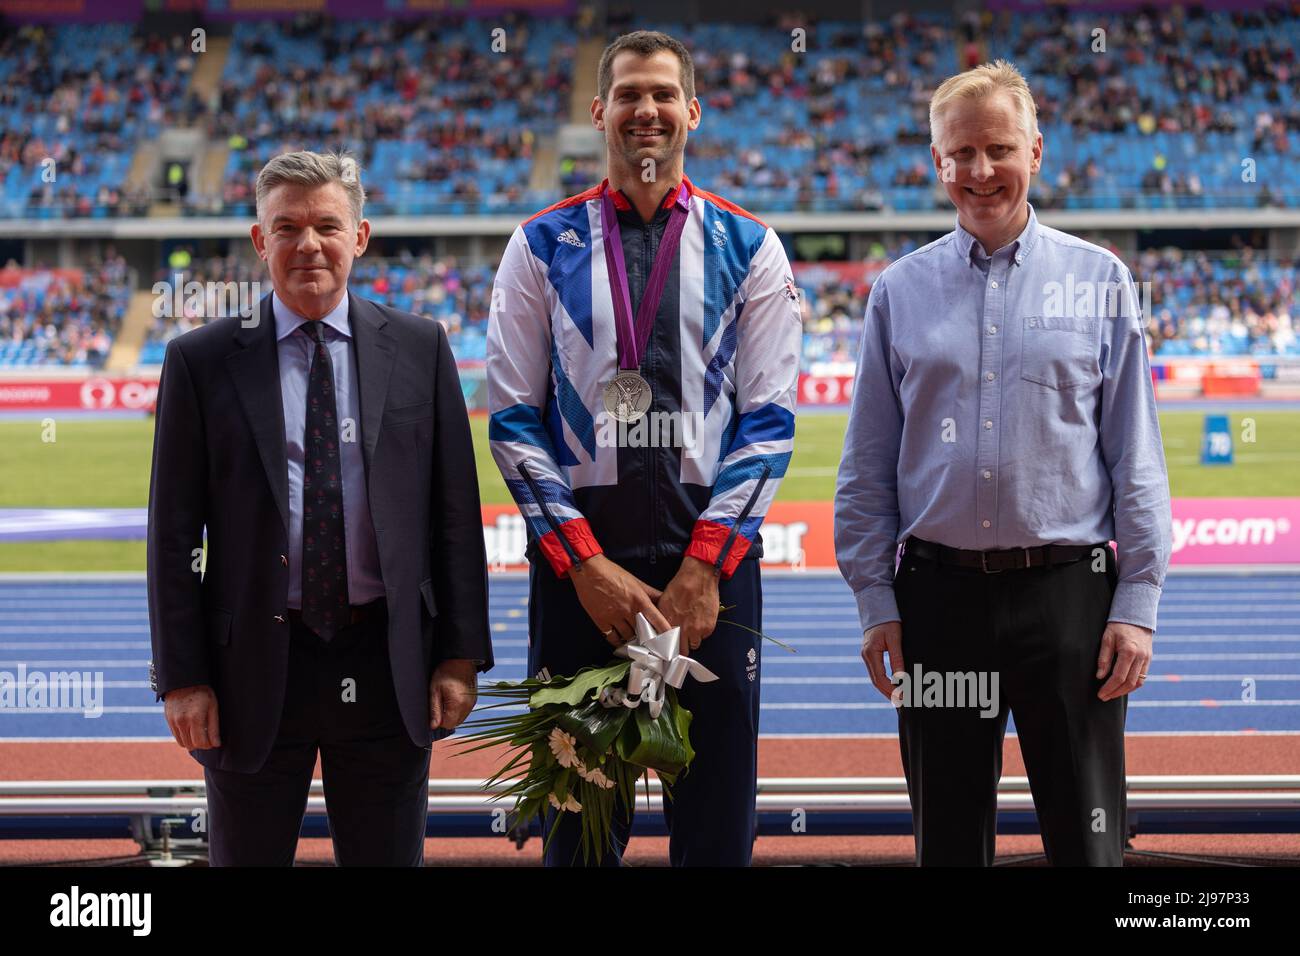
(1154, 678)
(886, 705)
(74, 616)
(1166, 618)
(835, 659)
(88, 740)
(105, 665)
(79, 603)
(45, 711)
(800, 641)
(80, 664)
(806, 736)
(74, 646)
(774, 660)
(1252, 656)
(80, 628)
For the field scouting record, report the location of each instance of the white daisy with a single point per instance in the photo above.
(564, 747)
(570, 804)
(596, 776)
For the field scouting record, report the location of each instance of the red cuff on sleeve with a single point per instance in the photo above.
(578, 533)
(707, 540)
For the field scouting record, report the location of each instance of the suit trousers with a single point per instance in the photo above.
(1039, 630)
(340, 699)
(711, 815)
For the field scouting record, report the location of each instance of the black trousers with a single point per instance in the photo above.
(711, 816)
(339, 699)
(1039, 630)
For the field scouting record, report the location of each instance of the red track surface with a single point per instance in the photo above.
(805, 757)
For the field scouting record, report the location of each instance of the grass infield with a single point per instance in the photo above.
(105, 464)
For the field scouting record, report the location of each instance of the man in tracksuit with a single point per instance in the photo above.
(643, 356)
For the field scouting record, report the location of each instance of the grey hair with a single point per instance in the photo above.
(313, 169)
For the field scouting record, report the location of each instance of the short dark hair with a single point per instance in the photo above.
(645, 43)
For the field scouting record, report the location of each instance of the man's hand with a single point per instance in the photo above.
(191, 714)
(612, 597)
(1129, 646)
(691, 602)
(877, 640)
(453, 690)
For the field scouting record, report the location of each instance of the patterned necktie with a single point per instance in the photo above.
(324, 555)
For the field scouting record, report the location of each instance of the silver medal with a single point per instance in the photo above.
(627, 396)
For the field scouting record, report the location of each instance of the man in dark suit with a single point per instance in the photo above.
(324, 446)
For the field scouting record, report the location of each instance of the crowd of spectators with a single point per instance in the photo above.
(438, 287)
(1221, 87)
(62, 317)
(74, 102)
(837, 122)
(1239, 302)
(366, 85)
(1234, 303)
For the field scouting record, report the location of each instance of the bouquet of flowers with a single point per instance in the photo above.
(586, 739)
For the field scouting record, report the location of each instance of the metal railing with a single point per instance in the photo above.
(153, 812)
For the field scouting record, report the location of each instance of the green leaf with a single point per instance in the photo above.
(657, 743)
(560, 787)
(746, 627)
(595, 726)
(682, 721)
(576, 691)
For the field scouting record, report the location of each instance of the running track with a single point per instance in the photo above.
(1215, 632)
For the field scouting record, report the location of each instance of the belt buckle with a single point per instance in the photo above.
(984, 564)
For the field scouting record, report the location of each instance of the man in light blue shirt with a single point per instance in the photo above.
(1004, 430)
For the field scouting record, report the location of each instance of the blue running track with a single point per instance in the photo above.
(1215, 632)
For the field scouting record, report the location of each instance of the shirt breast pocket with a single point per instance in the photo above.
(1059, 351)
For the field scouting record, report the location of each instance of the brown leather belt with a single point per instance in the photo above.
(991, 562)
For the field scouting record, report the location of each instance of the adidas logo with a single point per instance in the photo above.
(571, 238)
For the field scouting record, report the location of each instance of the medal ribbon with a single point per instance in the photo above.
(632, 340)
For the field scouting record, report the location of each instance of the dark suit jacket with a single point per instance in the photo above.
(219, 462)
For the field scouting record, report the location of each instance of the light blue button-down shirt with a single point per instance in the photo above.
(296, 348)
(1004, 402)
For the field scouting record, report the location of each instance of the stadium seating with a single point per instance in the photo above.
(440, 124)
(442, 289)
(1239, 303)
(82, 96)
(444, 126)
(64, 317)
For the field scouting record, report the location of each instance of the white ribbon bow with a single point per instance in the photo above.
(657, 663)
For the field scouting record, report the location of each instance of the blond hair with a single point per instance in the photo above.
(313, 169)
(978, 83)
